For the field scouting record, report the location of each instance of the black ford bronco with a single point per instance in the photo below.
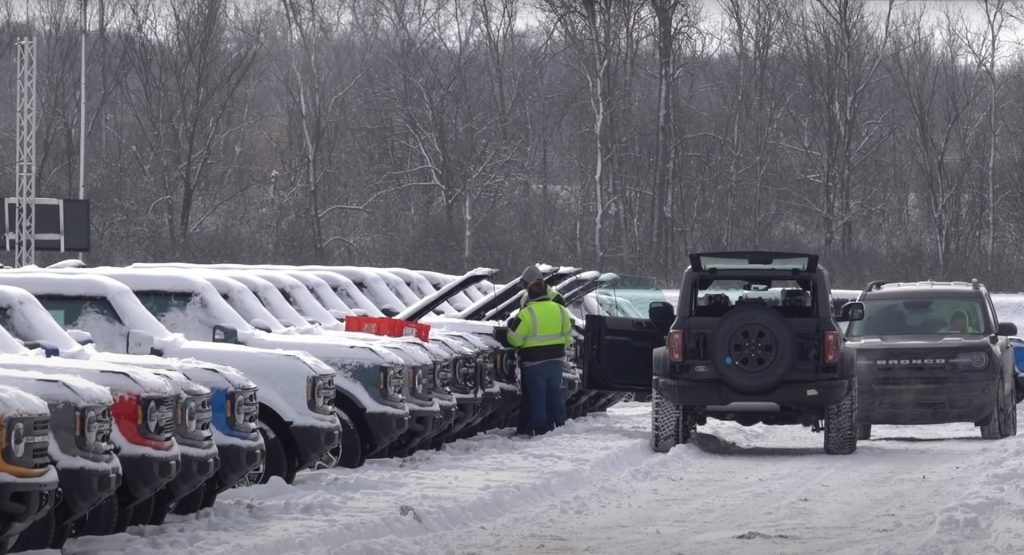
(932, 353)
(753, 340)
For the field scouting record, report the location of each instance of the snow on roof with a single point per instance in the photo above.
(271, 298)
(301, 299)
(14, 402)
(89, 283)
(243, 300)
(347, 291)
(321, 290)
(57, 387)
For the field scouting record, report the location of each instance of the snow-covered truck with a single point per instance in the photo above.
(202, 419)
(295, 414)
(28, 482)
(79, 447)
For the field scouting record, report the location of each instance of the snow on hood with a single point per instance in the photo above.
(57, 388)
(117, 377)
(14, 402)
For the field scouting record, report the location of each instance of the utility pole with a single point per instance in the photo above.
(81, 112)
(25, 189)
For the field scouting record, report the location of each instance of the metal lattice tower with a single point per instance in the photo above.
(25, 191)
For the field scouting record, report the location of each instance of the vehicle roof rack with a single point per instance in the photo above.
(875, 285)
(975, 284)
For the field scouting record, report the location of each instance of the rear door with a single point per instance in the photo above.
(618, 353)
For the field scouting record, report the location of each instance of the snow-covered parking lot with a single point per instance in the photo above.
(594, 487)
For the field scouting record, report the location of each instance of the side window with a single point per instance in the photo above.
(92, 314)
(179, 312)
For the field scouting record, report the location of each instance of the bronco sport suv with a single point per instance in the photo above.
(931, 353)
(754, 341)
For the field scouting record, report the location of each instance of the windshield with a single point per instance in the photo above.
(921, 317)
(33, 324)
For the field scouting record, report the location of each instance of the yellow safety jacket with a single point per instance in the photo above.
(541, 331)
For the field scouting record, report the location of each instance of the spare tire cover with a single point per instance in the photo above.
(752, 348)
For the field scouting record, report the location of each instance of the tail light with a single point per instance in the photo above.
(676, 346)
(830, 347)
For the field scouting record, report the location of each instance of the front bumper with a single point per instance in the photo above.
(923, 397)
(143, 476)
(82, 488)
(385, 428)
(802, 395)
(312, 442)
(196, 468)
(424, 423)
(236, 461)
(24, 501)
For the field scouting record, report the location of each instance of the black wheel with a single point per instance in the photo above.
(276, 463)
(210, 494)
(669, 424)
(841, 424)
(101, 520)
(752, 348)
(143, 513)
(863, 431)
(60, 536)
(1003, 423)
(38, 535)
(191, 503)
(352, 455)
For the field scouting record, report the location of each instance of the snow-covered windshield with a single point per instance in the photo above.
(95, 315)
(245, 303)
(348, 292)
(374, 288)
(24, 318)
(272, 300)
(952, 316)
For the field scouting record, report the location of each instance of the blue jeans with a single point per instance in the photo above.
(542, 408)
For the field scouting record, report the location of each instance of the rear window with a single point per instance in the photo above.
(794, 298)
(754, 261)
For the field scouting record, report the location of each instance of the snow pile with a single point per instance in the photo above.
(594, 486)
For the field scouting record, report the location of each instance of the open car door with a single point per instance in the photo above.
(618, 353)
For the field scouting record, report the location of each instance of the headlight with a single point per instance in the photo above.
(89, 426)
(189, 417)
(18, 440)
(419, 380)
(443, 374)
(241, 410)
(392, 381)
(25, 440)
(978, 360)
(156, 417)
(465, 373)
(320, 394)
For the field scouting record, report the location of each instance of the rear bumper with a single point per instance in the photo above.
(22, 502)
(236, 461)
(312, 442)
(925, 397)
(82, 488)
(800, 395)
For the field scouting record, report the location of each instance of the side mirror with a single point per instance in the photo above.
(139, 343)
(260, 324)
(81, 337)
(337, 314)
(225, 334)
(661, 312)
(851, 312)
(1006, 328)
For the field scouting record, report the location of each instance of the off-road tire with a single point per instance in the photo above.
(191, 503)
(101, 520)
(770, 335)
(1003, 423)
(352, 454)
(142, 513)
(38, 535)
(863, 431)
(841, 430)
(669, 425)
(276, 463)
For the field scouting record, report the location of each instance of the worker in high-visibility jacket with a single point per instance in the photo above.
(540, 332)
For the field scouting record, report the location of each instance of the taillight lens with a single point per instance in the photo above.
(830, 347)
(676, 346)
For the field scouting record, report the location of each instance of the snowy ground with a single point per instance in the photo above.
(594, 487)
